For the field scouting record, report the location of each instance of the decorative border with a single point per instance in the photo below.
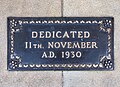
(105, 60)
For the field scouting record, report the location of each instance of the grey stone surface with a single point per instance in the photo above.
(45, 8)
(26, 8)
(88, 8)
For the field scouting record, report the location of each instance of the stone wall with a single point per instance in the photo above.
(52, 8)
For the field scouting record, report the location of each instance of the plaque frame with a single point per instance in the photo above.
(105, 62)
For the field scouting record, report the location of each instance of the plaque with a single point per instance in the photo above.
(60, 43)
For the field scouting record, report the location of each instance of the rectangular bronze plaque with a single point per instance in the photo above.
(60, 43)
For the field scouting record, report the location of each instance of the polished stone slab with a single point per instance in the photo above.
(19, 8)
(81, 8)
